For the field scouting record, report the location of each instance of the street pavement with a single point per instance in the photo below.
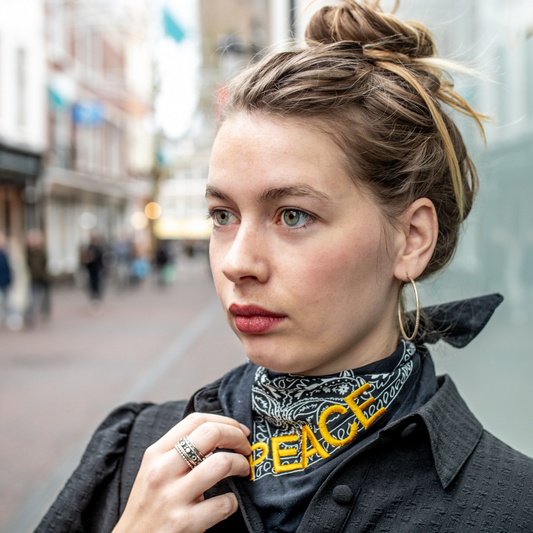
(59, 380)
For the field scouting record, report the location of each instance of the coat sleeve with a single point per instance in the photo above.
(89, 502)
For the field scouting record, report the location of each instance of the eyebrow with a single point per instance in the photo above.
(275, 193)
(214, 192)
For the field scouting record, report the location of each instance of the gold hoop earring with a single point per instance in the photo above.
(400, 318)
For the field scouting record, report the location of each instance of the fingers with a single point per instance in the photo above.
(207, 438)
(188, 425)
(166, 487)
(212, 511)
(212, 435)
(215, 468)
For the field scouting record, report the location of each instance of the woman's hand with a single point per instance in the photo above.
(167, 496)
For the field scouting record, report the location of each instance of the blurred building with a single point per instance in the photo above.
(233, 33)
(22, 128)
(100, 89)
(496, 251)
(502, 236)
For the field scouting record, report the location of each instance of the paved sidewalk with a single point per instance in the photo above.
(59, 380)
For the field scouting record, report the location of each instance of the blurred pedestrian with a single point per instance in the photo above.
(37, 260)
(5, 277)
(123, 249)
(162, 260)
(92, 258)
(140, 268)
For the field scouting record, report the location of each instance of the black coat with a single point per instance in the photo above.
(5, 270)
(435, 470)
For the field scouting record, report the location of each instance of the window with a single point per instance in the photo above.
(56, 26)
(20, 77)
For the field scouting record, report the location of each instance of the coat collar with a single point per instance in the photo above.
(453, 430)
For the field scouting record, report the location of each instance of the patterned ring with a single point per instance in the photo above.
(188, 451)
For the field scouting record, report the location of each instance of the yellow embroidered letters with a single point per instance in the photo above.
(308, 444)
(278, 452)
(358, 409)
(316, 446)
(263, 446)
(326, 435)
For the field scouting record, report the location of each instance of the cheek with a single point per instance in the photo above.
(341, 268)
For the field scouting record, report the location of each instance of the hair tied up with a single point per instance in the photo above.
(380, 34)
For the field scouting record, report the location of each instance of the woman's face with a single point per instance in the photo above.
(299, 255)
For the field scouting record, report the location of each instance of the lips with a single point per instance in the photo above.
(253, 319)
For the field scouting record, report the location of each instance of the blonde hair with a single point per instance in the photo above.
(376, 85)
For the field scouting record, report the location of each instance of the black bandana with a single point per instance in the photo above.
(303, 426)
(299, 421)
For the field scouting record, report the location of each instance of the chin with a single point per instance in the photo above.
(270, 355)
(273, 363)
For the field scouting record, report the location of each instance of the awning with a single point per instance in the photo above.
(18, 166)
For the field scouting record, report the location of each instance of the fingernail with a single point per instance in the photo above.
(245, 430)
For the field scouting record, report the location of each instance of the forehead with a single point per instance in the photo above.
(282, 152)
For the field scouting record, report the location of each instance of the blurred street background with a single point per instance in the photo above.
(108, 110)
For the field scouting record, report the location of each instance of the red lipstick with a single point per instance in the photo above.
(253, 319)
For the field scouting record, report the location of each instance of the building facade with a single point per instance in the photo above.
(22, 131)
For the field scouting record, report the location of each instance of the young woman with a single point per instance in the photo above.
(336, 178)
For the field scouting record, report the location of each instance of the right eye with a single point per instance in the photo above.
(223, 218)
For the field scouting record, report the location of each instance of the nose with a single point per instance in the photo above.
(247, 257)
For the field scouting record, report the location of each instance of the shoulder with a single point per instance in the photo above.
(479, 469)
(494, 459)
(111, 436)
(131, 428)
(92, 498)
(496, 483)
(458, 440)
(447, 471)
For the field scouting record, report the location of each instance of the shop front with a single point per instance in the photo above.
(20, 210)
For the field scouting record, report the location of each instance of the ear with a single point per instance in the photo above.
(418, 237)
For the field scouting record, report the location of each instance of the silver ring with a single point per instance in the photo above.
(188, 451)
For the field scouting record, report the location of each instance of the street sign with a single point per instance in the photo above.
(88, 112)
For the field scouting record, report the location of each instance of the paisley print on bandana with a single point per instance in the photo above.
(300, 420)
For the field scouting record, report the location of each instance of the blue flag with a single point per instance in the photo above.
(171, 26)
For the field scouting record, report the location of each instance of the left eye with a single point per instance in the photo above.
(294, 218)
(223, 218)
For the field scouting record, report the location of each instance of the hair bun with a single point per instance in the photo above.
(382, 35)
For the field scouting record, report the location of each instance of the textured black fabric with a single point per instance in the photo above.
(434, 470)
(89, 502)
(444, 475)
(149, 426)
(95, 496)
